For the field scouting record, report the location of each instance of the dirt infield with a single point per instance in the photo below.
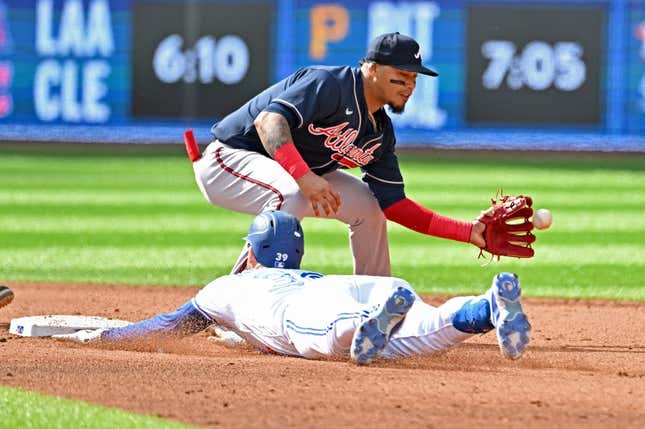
(585, 368)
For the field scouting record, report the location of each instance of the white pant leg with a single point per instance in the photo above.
(249, 182)
(427, 329)
(246, 182)
(322, 321)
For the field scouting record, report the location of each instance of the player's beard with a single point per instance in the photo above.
(397, 109)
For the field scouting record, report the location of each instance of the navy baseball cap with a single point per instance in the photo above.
(397, 50)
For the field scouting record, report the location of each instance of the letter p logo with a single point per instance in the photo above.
(329, 23)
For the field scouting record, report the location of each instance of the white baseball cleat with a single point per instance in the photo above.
(507, 316)
(372, 335)
(83, 336)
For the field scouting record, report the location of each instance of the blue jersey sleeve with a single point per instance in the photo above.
(310, 94)
(384, 178)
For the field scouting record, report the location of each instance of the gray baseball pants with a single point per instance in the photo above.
(250, 182)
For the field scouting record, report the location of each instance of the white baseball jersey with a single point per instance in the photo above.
(302, 313)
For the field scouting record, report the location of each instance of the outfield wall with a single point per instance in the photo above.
(542, 75)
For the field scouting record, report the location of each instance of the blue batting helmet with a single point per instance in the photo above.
(277, 239)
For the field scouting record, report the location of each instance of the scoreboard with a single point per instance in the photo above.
(533, 65)
(571, 67)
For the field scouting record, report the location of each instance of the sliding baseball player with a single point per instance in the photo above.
(302, 313)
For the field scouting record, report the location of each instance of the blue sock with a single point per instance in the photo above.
(473, 317)
(186, 320)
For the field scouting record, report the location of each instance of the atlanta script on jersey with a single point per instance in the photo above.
(328, 117)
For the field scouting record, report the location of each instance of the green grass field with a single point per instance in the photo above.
(134, 215)
(27, 410)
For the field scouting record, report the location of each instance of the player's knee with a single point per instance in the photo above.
(294, 203)
(375, 214)
(372, 217)
(365, 209)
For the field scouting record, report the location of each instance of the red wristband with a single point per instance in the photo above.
(418, 218)
(453, 229)
(290, 159)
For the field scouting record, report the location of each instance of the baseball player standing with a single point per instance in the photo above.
(283, 150)
(306, 314)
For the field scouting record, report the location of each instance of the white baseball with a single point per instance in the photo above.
(542, 218)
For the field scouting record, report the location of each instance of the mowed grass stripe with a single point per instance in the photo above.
(548, 281)
(478, 174)
(141, 254)
(627, 198)
(206, 235)
(618, 232)
(202, 218)
(431, 181)
(463, 210)
(136, 216)
(182, 222)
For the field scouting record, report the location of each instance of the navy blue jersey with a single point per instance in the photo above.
(326, 111)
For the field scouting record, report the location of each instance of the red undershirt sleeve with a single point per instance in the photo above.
(418, 218)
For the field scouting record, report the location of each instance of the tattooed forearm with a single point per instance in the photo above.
(273, 130)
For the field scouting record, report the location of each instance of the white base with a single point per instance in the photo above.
(46, 326)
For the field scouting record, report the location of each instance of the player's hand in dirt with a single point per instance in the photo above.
(477, 234)
(320, 193)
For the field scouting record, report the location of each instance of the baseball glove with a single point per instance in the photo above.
(508, 228)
